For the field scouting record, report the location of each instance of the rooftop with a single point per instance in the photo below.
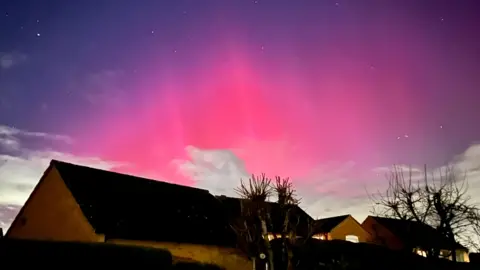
(325, 225)
(412, 232)
(127, 207)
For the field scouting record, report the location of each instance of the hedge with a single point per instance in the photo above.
(48, 253)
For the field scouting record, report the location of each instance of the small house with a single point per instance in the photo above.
(341, 228)
(410, 235)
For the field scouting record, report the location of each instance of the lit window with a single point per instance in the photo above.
(272, 236)
(460, 256)
(319, 236)
(420, 252)
(352, 238)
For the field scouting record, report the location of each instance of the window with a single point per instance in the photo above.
(319, 236)
(352, 238)
(421, 252)
(460, 256)
(272, 236)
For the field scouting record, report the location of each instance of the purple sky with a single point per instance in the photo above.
(206, 92)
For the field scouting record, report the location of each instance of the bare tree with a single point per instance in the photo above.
(287, 201)
(258, 188)
(405, 198)
(255, 215)
(453, 215)
(440, 202)
(257, 220)
(285, 191)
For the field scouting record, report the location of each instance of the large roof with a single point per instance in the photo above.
(415, 233)
(326, 225)
(128, 207)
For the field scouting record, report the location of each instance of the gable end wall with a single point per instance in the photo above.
(51, 213)
(349, 226)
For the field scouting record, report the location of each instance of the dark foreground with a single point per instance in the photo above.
(314, 255)
(66, 255)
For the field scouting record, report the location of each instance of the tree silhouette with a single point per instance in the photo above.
(441, 202)
(257, 219)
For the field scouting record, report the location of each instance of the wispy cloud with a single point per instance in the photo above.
(217, 170)
(465, 165)
(9, 143)
(329, 189)
(325, 191)
(11, 135)
(21, 167)
(11, 59)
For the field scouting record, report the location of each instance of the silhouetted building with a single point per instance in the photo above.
(409, 235)
(77, 203)
(341, 228)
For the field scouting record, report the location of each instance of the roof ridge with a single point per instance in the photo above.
(55, 161)
(344, 216)
(130, 207)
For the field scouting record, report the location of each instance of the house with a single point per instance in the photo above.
(77, 203)
(341, 228)
(303, 221)
(410, 235)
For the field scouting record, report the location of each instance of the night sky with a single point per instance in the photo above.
(203, 93)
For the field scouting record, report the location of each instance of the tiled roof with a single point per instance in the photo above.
(414, 233)
(127, 207)
(325, 225)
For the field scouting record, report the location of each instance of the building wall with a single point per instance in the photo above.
(462, 255)
(229, 258)
(350, 227)
(51, 213)
(380, 235)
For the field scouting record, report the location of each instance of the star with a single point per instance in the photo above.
(174, 51)
(441, 127)
(38, 21)
(262, 48)
(6, 14)
(337, 4)
(442, 19)
(38, 34)
(398, 138)
(153, 31)
(406, 135)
